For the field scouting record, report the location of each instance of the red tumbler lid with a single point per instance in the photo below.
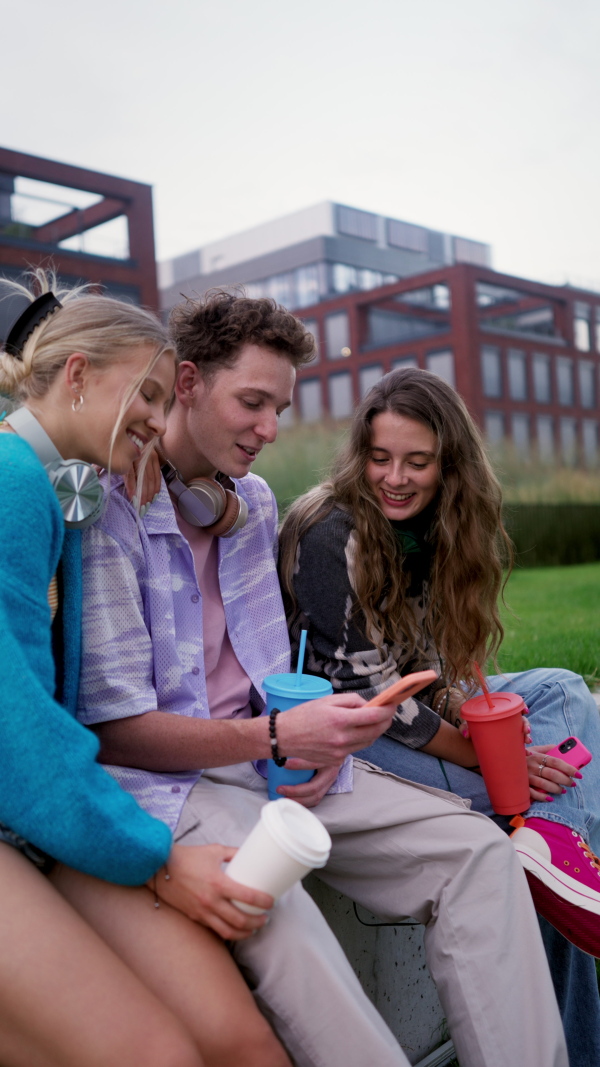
(477, 708)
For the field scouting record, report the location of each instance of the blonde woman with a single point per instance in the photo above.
(395, 564)
(100, 962)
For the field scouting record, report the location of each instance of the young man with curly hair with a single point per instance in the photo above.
(178, 635)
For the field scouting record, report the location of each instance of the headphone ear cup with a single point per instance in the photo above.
(202, 502)
(233, 518)
(206, 502)
(79, 491)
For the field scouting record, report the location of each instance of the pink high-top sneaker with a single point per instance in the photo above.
(564, 878)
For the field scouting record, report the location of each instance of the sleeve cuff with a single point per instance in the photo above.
(420, 731)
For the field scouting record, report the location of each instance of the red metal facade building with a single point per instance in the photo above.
(25, 245)
(525, 356)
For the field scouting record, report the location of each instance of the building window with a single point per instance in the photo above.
(545, 438)
(313, 327)
(542, 390)
(568, 441)
(442, 364)
(308, 289)
(311, 404)
(515, 310)
(340, 395)
(587, 391)
(406, 235)
(343, 278)
(517, 374)
(406, 361)
(520, 434)
(589, 435)
(491, 371)
(337, 335)
(581, 327)
(471, 252)
(494, 427)
(369, 279)
(368, 377)
(255, 290)
(356, 223)
(564, 380)
(282, 290)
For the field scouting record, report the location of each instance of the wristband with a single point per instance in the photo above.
(278, 760)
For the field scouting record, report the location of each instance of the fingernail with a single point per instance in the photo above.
(577, 775)
(135, 502)
(464, 732)
(550, 799)
(564, 790)
(143, 510)
(156, 496)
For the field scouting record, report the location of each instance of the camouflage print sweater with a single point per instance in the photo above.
(338, 647)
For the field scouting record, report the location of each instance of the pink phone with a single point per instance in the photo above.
(572, 751)
(403, 688)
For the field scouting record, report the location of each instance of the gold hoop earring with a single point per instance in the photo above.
(77, 403)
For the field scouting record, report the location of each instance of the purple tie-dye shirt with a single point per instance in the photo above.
(142, 624)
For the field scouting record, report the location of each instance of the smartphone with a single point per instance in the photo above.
(572, 751)
(403, 689)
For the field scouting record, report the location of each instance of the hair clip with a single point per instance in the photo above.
(34, 314)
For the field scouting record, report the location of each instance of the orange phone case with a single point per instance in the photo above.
(403, 688)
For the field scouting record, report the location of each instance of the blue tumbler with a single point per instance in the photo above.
(285, 691)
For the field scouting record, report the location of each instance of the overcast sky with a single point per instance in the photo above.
(478, 118)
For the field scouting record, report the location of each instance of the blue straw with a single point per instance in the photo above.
(301, 652)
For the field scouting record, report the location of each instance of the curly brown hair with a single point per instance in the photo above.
(210, 332)
(468, 540)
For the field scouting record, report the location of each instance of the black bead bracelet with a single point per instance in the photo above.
(280, 761)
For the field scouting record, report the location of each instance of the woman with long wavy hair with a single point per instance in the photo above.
(395, 564)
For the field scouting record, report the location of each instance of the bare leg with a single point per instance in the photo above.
(184, 964)
(65, 998)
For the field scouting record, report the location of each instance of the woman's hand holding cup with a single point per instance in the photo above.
(198, 886)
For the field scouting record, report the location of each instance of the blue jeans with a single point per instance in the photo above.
(560, 704)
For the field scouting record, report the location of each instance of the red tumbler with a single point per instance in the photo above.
(497, 734)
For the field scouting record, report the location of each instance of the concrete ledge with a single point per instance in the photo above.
(389, 962)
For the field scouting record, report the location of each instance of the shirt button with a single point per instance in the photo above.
(195, 670)
(176, 789)
(195, 598)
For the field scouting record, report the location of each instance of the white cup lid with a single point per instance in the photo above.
(297, 831)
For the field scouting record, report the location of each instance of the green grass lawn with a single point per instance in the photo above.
(555, 620)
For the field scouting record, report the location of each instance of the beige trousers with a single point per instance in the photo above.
(400, 850)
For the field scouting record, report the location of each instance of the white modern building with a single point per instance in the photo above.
(316, 254)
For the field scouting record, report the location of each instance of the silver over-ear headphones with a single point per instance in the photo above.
(75, 483)
(208, 502)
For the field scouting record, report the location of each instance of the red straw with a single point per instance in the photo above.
(484, 687)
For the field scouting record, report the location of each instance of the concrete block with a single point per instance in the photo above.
(390, 964)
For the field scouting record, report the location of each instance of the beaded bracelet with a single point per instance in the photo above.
(280, 761)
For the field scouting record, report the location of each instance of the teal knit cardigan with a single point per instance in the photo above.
(52, 790)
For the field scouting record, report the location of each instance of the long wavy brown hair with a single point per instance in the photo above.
(467, 539)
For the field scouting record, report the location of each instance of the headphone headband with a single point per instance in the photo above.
(34, 313)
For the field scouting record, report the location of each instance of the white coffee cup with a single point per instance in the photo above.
(287, 842)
